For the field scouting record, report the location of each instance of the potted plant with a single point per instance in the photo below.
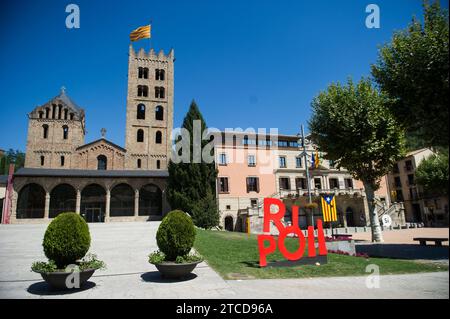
(66, 242)
(175, 238)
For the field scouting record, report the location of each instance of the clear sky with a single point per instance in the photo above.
(246, 63)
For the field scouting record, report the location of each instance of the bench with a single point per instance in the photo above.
(423, 240)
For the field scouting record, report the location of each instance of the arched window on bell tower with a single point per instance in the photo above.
(159, 113)
(141, 112)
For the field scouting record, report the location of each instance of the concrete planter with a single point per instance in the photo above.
(58, 279)
(172, 270)
(347, 246)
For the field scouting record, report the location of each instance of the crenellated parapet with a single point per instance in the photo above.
(152, 55)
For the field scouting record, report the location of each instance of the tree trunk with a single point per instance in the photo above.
(377, 235)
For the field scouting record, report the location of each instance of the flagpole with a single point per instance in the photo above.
(150, 39)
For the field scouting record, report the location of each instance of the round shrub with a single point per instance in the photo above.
(176, 234)
(67, 239)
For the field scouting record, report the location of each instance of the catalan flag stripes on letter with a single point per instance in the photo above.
(143, 32)
(329, 208)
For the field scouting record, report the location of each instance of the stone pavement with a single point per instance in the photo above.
(125, 247)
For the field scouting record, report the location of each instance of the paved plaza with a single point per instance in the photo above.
(125, 247)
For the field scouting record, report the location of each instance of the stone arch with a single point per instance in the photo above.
(122, 200)
(150, 200)
(229, 223)
(93, 203)
(31, 201)
(63, 198)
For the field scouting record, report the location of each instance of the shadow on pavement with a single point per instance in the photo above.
(404, 251)
(155, 276)
(42, 288)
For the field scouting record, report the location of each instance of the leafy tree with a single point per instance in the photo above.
(432, 174)
(414, 70)
(353, 126)
(191, 186)
(11, 156)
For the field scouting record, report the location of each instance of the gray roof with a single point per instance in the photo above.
(63, 98)
(47, 172)
(3, 179)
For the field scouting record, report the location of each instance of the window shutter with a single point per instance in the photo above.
(248, 185)
(257, 184)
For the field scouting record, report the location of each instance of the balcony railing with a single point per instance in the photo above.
(284, 193)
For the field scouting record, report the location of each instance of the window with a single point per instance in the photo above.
(143, 73)
(59, 111)
(223, 159)
(65, 132)
(317, 183)
(298, 162)
(285, 183)
(42, 160)
(140, 136)
(334, 183)
(160, 74)
(47, 113)
(395, 169)
(282, 160)
(400, 197)
(66, 113)
(397, 182)
(141, 112)
(158, 137)
(282, 143)
(158, 164)
(159, 113)
(159, 92)
(300, 183)
(254, 202)
(102, 162)
(223, 184)
(228, 207)
(251, 160)
(143, 90)
(45, 130)
(349, 183)
(41, 114)
(332, 163)
(62, 160)
(53, 111)
(408, 165)
(72, 116)
(411, 180)
(139, 163)
(252, 184)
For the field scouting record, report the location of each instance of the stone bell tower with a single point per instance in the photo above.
(149, 119)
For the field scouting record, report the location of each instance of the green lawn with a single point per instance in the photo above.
(235, 256)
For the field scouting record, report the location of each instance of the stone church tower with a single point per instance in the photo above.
(149, 118)
(55, 130)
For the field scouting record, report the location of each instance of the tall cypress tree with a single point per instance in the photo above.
(192, 186)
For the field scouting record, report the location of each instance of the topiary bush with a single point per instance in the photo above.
(67, 239)
(176, 234)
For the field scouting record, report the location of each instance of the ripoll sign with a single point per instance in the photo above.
(285, 231)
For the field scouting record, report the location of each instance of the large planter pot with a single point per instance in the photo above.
(58, 279)
(172, 270)
(347, 246)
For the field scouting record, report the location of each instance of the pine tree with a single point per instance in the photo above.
(192, 186)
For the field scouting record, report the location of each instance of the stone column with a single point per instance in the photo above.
(47, 205)
(136, 202)
(78, 203)
(108, 205)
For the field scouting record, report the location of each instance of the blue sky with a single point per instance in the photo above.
(246, 63)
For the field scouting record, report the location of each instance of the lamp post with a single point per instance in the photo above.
(308, 183)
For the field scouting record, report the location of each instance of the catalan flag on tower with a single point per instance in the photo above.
(143, 32)
(329, 208)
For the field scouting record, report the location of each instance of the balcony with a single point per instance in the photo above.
(285, 193)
